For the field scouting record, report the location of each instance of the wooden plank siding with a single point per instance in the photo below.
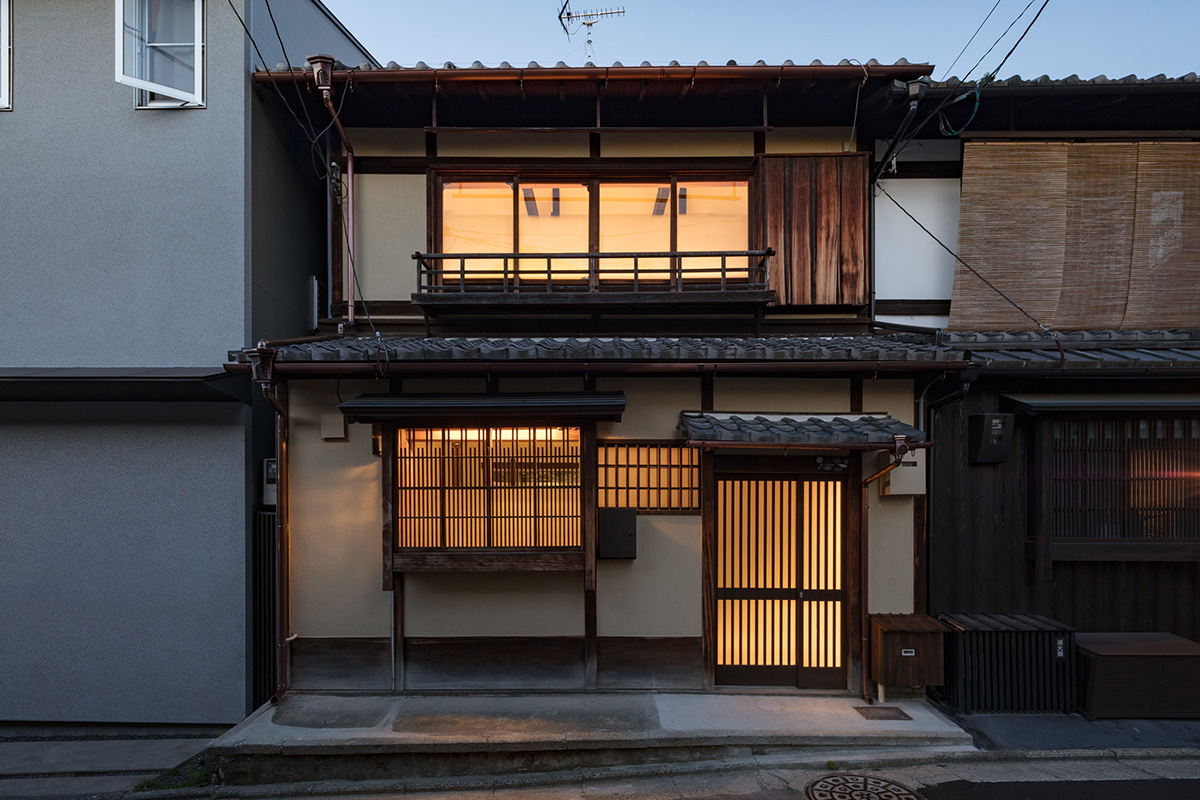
(813, 212)
(981, 559)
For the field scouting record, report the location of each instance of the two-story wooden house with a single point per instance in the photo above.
(607, 409)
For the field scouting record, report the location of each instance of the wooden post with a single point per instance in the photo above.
(398, 677)
(855, 555)
(708, 566)
(589, 495)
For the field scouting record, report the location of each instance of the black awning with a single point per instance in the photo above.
(486, 409)
(123, 384)
(1157, 401)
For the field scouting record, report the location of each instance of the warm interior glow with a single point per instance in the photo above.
(553, 218)
(779, 538)
(635, 218)
(651, 477)
(477, 218)
(489, 488)
(713, 216)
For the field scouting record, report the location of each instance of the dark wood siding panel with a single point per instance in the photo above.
(854, 232)
(979, 560)
(814, 216)
(827, 203)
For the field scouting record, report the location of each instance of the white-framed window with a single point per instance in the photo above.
(160, 51)
(5, 55)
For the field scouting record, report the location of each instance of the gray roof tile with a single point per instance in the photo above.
(797, 428)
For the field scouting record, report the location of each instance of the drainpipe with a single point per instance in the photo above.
(902, 449)
(262, 360)
(322, 66)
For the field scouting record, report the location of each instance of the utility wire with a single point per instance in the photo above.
(288, 61)
(974, 271)
(270, 74)
(968, 44)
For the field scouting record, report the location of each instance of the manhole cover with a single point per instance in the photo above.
(858, 787)
(882, 712)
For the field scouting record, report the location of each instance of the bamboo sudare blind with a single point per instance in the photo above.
(1091, 235)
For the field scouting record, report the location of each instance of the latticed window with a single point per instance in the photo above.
(488, 488)
(649, 476)
(1125, 478)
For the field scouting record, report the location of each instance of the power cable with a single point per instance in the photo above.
(288, 61)
(973, 271)
(968, 44)
(270, 74)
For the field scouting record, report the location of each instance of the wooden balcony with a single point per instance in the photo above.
(628, 282)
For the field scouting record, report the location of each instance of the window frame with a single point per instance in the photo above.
(147, 89)
(659, 509)
(6, 55)
(594, 181)
(1046, 547)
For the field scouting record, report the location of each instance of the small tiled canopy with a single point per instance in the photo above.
(850, 431)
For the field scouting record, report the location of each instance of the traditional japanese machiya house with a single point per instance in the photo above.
(1066, 480)
(604, 403)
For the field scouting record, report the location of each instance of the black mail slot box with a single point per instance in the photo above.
(617, 533)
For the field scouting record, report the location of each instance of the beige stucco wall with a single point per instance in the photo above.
(389, 223)
(889, 519)
(336, 519)
(387, 141)
(652, 406)
(659, 145)
(659, 592)
(513, 145)
(780, 394)
(807, 140)
(493, 604)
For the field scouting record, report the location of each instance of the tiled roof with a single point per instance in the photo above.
(1071, 80)
(421, 65)
(798, 428)
(880, 347)
(1099, 350)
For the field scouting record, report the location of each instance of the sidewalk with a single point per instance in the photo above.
(67, 767)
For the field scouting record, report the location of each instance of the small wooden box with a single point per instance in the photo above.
(907, 650)
(1138, 675)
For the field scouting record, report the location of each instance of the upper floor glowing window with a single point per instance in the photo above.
(160, 51)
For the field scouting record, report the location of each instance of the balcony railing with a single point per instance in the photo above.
(654, 273)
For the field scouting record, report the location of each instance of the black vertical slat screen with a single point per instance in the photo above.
(262, 592)
(1125, 478)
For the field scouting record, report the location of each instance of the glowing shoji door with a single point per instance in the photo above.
(780, 576)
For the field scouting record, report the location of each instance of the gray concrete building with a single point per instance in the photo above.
(148, 224)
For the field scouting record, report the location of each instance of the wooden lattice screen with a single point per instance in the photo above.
(1082, 235)
(650, 477)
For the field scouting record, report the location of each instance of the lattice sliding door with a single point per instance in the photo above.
(779, 581)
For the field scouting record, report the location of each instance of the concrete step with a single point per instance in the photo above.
(381, 738)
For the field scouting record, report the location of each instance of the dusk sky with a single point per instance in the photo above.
(1084, 37)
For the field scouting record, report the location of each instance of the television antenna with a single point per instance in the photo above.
(585, 18)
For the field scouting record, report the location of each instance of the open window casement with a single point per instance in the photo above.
(5, 55)
(160, 47)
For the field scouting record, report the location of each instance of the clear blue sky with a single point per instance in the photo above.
(1084, 37)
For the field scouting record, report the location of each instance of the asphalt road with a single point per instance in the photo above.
(1066, 790)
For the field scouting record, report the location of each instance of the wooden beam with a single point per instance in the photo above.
(489, 561)
(708, 566)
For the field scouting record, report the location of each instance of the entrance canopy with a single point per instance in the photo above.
(797, 430)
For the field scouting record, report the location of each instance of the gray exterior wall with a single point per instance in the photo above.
(139, 238)
(122, 581)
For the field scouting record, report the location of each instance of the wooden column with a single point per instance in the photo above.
(282, 547)
(589, 497)
(398, 678)
(708, 566)
(855, 590)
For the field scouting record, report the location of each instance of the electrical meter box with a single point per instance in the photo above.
(270, 480)
(906, 479)
(989, 438)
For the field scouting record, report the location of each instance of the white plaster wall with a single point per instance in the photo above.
(658, 145)
(808, 140)
(889, 519)
(909, 265)
(336, 519)
(389, 222)
(386, 142)
(780, 394)
(659, 592)
(652, 406)
(493, 604)
(513, 145)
